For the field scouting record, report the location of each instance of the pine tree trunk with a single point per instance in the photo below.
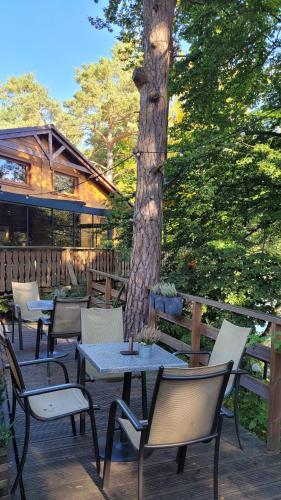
(152, 81)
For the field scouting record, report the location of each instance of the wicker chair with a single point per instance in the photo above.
(230, 344)
(185, 410)
(22, 293)
(65, 321)
(44, 404)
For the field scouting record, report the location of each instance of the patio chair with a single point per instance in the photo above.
(65, 321)
(44, 403)
(100, 326)
(22, 293)
(230, 344)
(185, 410)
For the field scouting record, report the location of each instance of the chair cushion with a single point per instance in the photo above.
(58, 403)
(130, 431)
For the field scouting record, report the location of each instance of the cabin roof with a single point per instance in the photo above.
(53, 133)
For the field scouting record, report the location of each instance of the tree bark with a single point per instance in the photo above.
(152, 82)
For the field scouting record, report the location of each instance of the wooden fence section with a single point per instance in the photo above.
(55, 266)
(268, 355)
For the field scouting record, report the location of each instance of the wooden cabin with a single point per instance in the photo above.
(51, 194)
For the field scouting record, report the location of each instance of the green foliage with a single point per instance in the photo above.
(106, 109)
(253, 412)
(222, 208)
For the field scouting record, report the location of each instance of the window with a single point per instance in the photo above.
(64, 183)
(11, 170)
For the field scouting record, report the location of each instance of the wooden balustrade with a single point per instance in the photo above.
(55, 266)
(270, 392)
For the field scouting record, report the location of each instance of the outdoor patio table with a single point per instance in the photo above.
(40, 305)
(107, 359)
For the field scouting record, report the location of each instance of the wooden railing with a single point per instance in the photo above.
(269, 391)
(55, 266)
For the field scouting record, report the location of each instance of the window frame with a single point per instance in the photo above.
(26, 165)
(64, 174)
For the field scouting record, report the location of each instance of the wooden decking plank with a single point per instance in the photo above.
(61, 466)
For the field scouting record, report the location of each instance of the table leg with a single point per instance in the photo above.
(82, 376)
(122, 450)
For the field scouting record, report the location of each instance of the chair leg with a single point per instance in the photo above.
(181, 459)
(24, 453)
(73, 425)
(20, 333)
(216, 459)
(236, 415)
(140, 474)
(13, 325)
(144, 395)
(108, 448)
(12, 423)
(38, 338)
(95, 438)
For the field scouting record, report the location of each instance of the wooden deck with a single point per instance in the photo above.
(61, 466)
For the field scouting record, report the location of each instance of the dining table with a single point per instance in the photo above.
(109, 359)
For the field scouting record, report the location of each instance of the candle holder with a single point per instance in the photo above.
(130, 351)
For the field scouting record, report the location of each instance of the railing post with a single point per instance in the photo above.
(107, 293)
(89, 282)
(274, 411)
(195, 332)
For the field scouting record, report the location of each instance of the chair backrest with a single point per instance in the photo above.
(102, 326)
(186, 404)
(22, 293)
(66, 315)
(15, 370)
(230, 344)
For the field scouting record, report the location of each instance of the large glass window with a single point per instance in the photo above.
(13, 225)
(40, 226)
(13, 171)
(64, 183)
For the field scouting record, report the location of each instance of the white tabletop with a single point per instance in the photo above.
(107, 358)
(40, 305)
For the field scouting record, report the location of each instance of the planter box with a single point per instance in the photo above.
(169, 305)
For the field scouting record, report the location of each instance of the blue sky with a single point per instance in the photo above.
(50, 38)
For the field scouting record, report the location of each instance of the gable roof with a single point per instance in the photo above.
(53, 134)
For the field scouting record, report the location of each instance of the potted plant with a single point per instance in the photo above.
(146, 338)
(4, 439)
(164, 298)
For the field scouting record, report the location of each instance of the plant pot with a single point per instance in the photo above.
(159, 303)
(145, 350)
(173, 305)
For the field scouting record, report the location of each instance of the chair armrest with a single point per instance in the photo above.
(55, 388)
(239, 371)
(42, 361)
(136, 423)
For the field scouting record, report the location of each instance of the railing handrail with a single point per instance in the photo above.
(114, 277)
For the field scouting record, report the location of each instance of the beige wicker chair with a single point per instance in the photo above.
(230, 344)
(185, 410)
(44, 404)
(22, 293)
(65, 321)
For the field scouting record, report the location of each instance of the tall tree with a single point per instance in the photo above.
(106, 109)
(151, 80)
(24, 102)
(222, 201)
